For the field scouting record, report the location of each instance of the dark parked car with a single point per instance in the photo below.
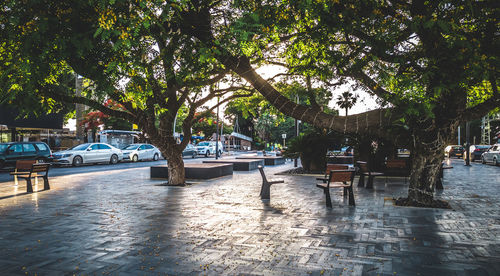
(476, 151)
(190, 150)
(453, 151)
(13, 151)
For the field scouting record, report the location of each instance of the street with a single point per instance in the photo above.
(67, 170)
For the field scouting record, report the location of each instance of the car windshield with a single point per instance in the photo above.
(131, 147)
(80, 147)
(204, 144)
(3, 147)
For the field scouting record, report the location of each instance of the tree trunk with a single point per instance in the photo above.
(176, 171)
(312, 163)
(426, 158)
(424, 176)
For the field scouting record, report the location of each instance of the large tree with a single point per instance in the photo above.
(434, 63)
(128, 50)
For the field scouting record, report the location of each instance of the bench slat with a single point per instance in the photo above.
(39, 167)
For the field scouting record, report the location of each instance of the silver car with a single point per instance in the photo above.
(136, 152)
(492, 155)
(88, 153)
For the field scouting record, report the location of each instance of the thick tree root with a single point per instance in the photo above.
(299, 171)
(435, 203)
(174, 185)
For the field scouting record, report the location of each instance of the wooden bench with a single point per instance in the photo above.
(396, 166)
(339, 179)
(265, 190)
(35, 171)
(22, 166)
(330, 167)
(365, 171)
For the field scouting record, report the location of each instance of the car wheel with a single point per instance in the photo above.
(77, 161)
(207, 153)
(482, 160)
(113, 159)
(495, 162)
(156, 157)
(135, 158)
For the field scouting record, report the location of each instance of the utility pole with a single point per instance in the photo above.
(296, 130)
(79, 109)
(467, 144)
(217, 133)
(222, 139)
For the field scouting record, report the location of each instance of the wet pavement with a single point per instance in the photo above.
(122, 223)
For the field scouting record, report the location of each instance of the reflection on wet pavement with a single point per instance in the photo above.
(122, 223)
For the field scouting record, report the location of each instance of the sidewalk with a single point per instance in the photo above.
(123, 223)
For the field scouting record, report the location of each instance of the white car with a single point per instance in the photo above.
(208, 147)
(136, 152)
(492, 155)
(88, 153)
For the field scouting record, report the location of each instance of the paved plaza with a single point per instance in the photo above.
(122, 223)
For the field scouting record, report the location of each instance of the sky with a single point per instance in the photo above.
(365, 101)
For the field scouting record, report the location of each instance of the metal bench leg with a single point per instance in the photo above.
(369, 185)
(15, 178)
(29, 188)
(351, 197)
(265, 191)
(361, 181)
(46, 185)
(439, 184)
(328, 198)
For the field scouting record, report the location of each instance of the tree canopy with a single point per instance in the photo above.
(432, 63)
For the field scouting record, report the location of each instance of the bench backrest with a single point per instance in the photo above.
(363, 167)
(261, 170)
(24, 165)
(341, 176)
(396, 164)
(35, 168)
(330, 167)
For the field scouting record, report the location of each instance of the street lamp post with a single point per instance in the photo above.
(296, 130)
(217, 133)
(467, 143)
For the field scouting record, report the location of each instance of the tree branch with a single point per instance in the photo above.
(53, 92)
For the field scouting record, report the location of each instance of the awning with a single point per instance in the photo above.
(241, 136)
(118, 132)
(9, 117)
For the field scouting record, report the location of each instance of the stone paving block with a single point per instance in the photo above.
(99, 225)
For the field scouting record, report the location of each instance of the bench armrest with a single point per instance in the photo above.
(20, 173)
(342, 171)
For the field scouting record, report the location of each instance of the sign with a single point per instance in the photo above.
(283, 135)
